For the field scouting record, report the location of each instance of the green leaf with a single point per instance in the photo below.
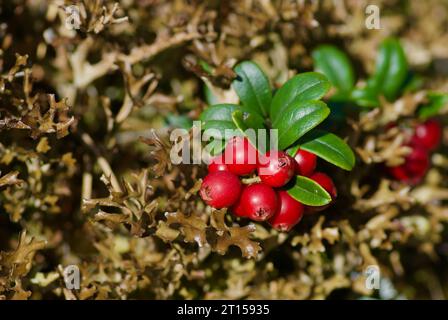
(179, 121)
(436, 102)
(252, 87)
(245, 121)
(219, 117)
(335, 65)
(308, 192)
(329, 147)
(297, 119)
(302, 87)
(391, 69)
(365, 97)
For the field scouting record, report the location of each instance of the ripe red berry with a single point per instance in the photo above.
(289, 213)
(414, 168)
(428, 134)
(259, 202)
(305, 163)
(238, 208)
(276, 168)
(240, 156)
(220, 189)
(217, 164)
(327, 183)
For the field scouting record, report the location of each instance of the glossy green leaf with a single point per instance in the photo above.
(335, 65)
(302, 87)
(219, 118)
(308, 192)
(329, 147)
(245, 121)
(252, 87)
(365, 97)
(391, 69)
(436, 101)
(297, 119)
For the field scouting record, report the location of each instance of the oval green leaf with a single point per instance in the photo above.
(297, 119)
(329, 147)
(245, 121)
(436, 101)
(302, 87)
(391, 69)
(219, 118)
(308, 192)
(335, 65)
(252, 87)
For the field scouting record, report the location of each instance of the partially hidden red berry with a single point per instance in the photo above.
(240, 156)
(217, 164)
(238, 208)
(327, 183)
(289, 213)
(276, 168)
(428, 134)
(259, 201)
(414, 168)
(220, 189)
(305, 163)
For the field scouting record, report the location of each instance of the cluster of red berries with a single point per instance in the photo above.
(260, 201)
(424, 139)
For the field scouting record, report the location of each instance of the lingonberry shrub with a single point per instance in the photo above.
(391, 79)
(294, 111)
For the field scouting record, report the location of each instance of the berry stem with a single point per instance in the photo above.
(252, 180)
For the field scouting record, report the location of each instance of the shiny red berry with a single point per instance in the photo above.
(220, 189)
(240, 156)
(414, 168)
(289, 213)
(238, 208)
(276, 168)
(327, 183)
(259, 202)
(305, 163)
(428, 135)
(217, 164)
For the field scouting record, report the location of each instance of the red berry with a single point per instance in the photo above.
(217, 164)
(238, 208)
(305, 163)
(289, 213)
(414, 168)
(220, 189)
(276, 168)
(428, 135)
(327, 183)
(240, 156)
(259, 201)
